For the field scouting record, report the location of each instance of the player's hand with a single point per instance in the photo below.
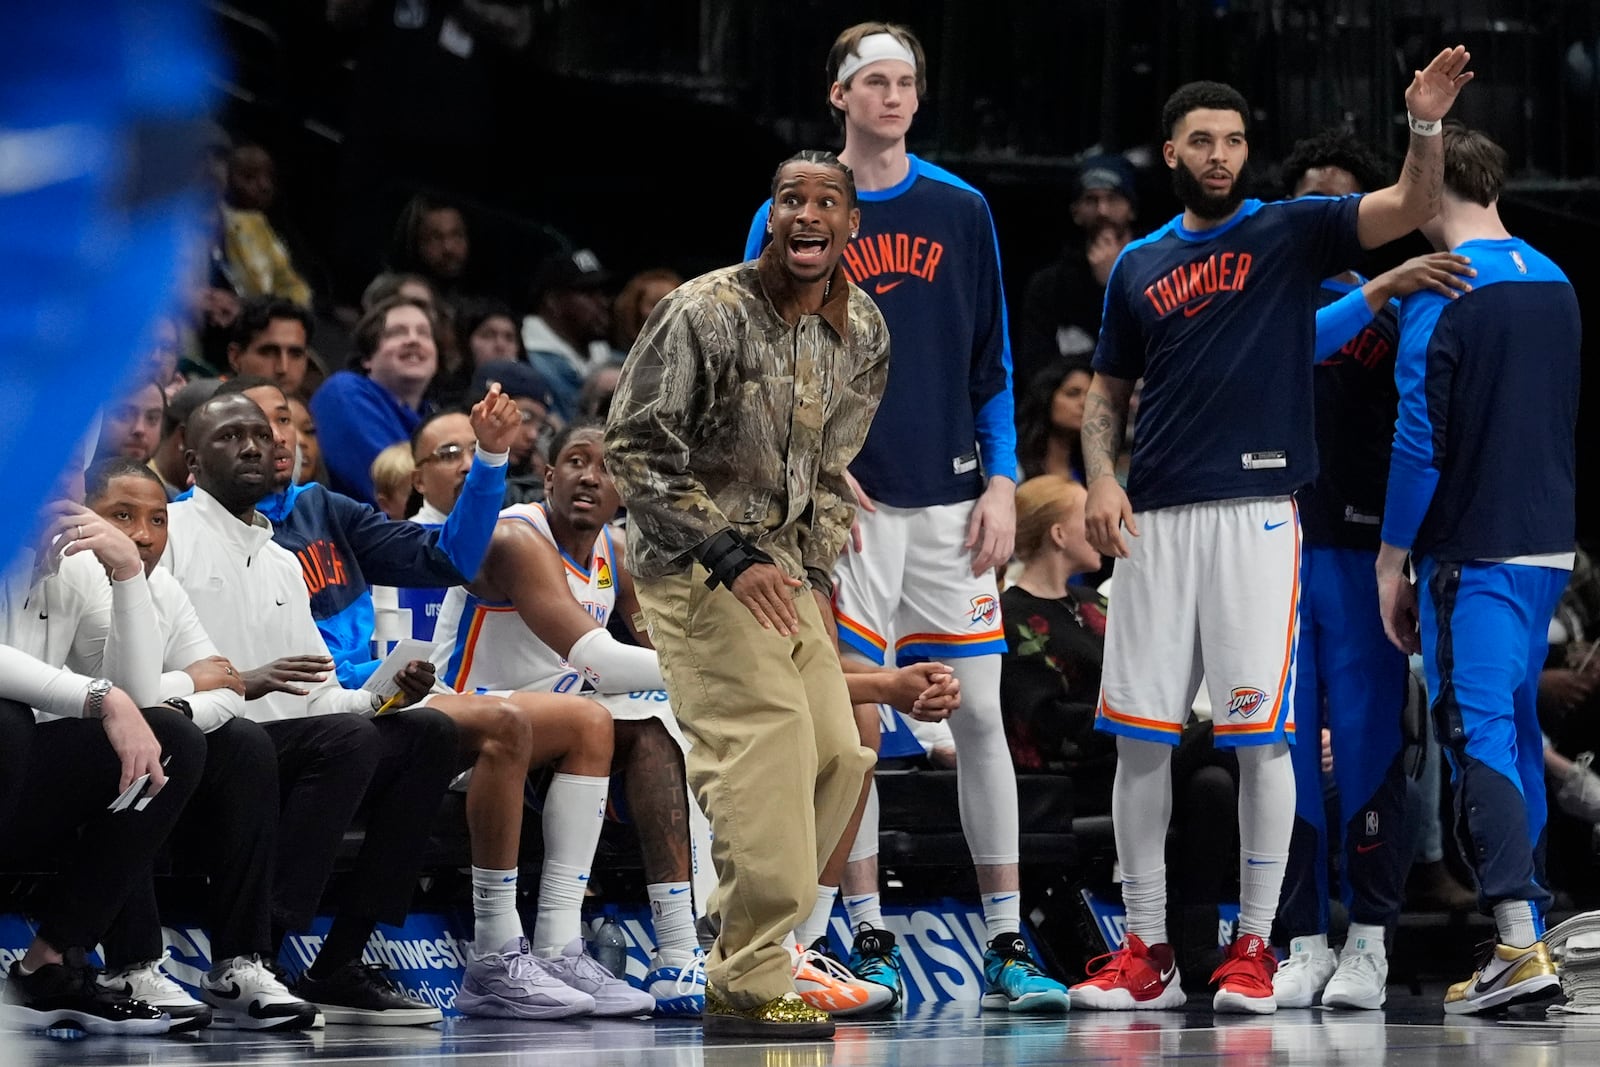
(496, 420)
(133, 742)
(415, 680)
(1397, 602)
(992, 529)
(1445, 273)
(84, 531)
(769, 594)
(214, 672)
(1433, 90)
(926, 691)
(1105, 513)
(1327, 751)
(864, 502)
(281, 676)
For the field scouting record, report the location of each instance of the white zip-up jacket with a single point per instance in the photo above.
(251, 600)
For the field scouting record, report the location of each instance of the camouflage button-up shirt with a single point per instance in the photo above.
(728, 416)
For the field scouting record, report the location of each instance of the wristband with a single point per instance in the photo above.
(728, 555)
(1423, 127)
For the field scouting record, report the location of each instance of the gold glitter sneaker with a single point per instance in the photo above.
(1507, 975)
(785, 1017)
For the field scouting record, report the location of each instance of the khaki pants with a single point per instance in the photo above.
(774, 759)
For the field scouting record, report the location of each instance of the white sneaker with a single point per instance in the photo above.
(828, 985)
(613, 996)
(513, 984)
(1301, 976)
(679, 987)
(247, 994)
(1361, 980)
(149, 983)
(1579, 795)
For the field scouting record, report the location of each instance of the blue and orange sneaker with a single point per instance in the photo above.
(1014, 981)
(678, 986)
(876, 958)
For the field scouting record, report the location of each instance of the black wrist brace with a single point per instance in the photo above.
(728, 555)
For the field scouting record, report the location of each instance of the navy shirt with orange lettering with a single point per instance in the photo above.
(1221, 325)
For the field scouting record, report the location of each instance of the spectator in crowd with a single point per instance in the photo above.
(633, 305)
(1484, 505)
(1343, 662)
(333, 754)
(416, 287)
(161, 360)
(534, 400)
(271, 339)
(1061, 305)
(225, 826)
(73, 743)
(258, 260)
(567, 337)
(132, 426)
(488, 332)
(168, 459)
(1050, 418)
(937, 514)
(381, 397)
(393, 473)
(344, 546)
(430, 239)
(311, 468)
(598, 388)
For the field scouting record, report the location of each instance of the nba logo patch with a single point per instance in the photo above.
(1244, 702)
(1516, 257)
(985, 609)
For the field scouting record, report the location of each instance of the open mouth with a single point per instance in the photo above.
(808, 247)
(585, 500)
(1218, 180)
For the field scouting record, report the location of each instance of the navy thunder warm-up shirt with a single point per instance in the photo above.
(1483, 463)
(1221, 325)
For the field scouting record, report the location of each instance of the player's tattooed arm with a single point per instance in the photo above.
(1395, 211)
(1105, 416)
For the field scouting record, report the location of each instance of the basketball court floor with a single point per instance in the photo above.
(1410, 1031)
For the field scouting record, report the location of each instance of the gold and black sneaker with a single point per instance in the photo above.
(785, 1017)
(1507, 976)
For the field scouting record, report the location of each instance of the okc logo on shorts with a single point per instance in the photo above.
(1245, 702)
(984, 610)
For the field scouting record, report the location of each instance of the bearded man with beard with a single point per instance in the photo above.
(1216, 311)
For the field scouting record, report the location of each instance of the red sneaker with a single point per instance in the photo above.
(1244, 981)
(1130, 980)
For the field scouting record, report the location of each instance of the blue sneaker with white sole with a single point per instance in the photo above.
(678, 986)
(876, 958)
(1014, 981)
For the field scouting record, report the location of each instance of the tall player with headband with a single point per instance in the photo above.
(936, 481)
(1216, 311)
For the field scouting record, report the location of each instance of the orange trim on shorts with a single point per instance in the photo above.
(1133, 720)
(469, 647)
(860, 630)
(1270, 723)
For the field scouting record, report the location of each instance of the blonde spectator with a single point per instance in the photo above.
(392, 473)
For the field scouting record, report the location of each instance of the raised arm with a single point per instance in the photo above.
(1395, 211)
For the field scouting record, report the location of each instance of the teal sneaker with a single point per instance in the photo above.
(876, 958)
(1015, 982)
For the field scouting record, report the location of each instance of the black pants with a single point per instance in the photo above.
(61, 819)
(330, 767)
(16, 747)
(231, 827)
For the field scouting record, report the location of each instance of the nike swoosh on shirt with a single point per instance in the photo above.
(883, 287)
(1364, 849)
(1193, 310)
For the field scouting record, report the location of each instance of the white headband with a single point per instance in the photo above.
(874, 47)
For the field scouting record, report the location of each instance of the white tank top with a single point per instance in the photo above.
(483, 644)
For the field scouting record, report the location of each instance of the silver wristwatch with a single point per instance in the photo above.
(95, 705)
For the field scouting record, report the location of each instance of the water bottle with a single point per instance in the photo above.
(611, 947)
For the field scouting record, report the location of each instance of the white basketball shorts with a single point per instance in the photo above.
(912, 584)
(1209, 590)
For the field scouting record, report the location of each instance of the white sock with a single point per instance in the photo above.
(1002, 912)
(1365, 938)
(1313, 944)
(494, 909)
(1145, 898)
(1141, 809)
(574, 808)
(1266, 820)
(1516, 923)
(864, 908)
(815, 925)
(672, 915)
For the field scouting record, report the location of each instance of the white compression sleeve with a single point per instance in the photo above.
(613, 667)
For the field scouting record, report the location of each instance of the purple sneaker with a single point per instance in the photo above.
(513, 984)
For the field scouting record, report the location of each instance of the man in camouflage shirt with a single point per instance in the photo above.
(744, 399)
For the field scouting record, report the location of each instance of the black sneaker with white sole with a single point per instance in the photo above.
(365, 995)
(149, 982)
(66, 996)
(248, 994)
